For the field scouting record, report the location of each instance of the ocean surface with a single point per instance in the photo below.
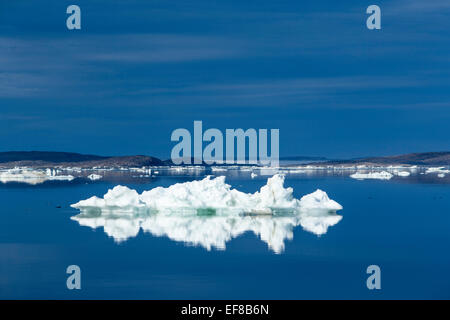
(401, 225)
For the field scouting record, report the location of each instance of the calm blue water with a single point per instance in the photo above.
(402, 227)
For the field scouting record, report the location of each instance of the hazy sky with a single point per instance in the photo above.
(137, 70)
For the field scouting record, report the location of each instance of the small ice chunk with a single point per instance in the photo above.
(383, 175)
(94, 177)
(437, 170)
(319, 200)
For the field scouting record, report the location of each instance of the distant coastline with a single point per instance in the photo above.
(48, 159)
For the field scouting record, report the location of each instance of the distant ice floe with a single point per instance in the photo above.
(383, 175)
(209, 213)
(186, 169)
(32, 176)
(219, 169)
(268, 171)
(94, 177)
(144, 170)
(402, 173)
(438, 170)
(441, 171)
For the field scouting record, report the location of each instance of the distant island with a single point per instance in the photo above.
(419, 159)
(48, 159)
(69, 159)
(303, 158)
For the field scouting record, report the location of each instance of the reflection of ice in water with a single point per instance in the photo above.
(209, 212)
(209, 231)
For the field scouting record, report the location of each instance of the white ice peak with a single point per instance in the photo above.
(210, 193)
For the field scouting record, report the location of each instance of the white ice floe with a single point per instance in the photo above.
(145, 170)
(211, 193)
(318, 200)
(383, 175)
(253, 175)
(268, 171)
(31, 176)
(94, 177)
(296, 171)
(186, 169)
(74, 169)
(438, 170)
(209, 213)
(441, 175)
(402, 173)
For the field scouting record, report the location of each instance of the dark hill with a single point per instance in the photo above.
(67, 159)
(424, 159)
(46, 156)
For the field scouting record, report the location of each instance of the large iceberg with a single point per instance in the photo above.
(210, 193)
(209, 212)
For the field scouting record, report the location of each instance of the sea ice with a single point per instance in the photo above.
(437, 170)
(319, 200)
(383, 175)
(31, 176)
(402, 173)
(211, 193)
(94, 177)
